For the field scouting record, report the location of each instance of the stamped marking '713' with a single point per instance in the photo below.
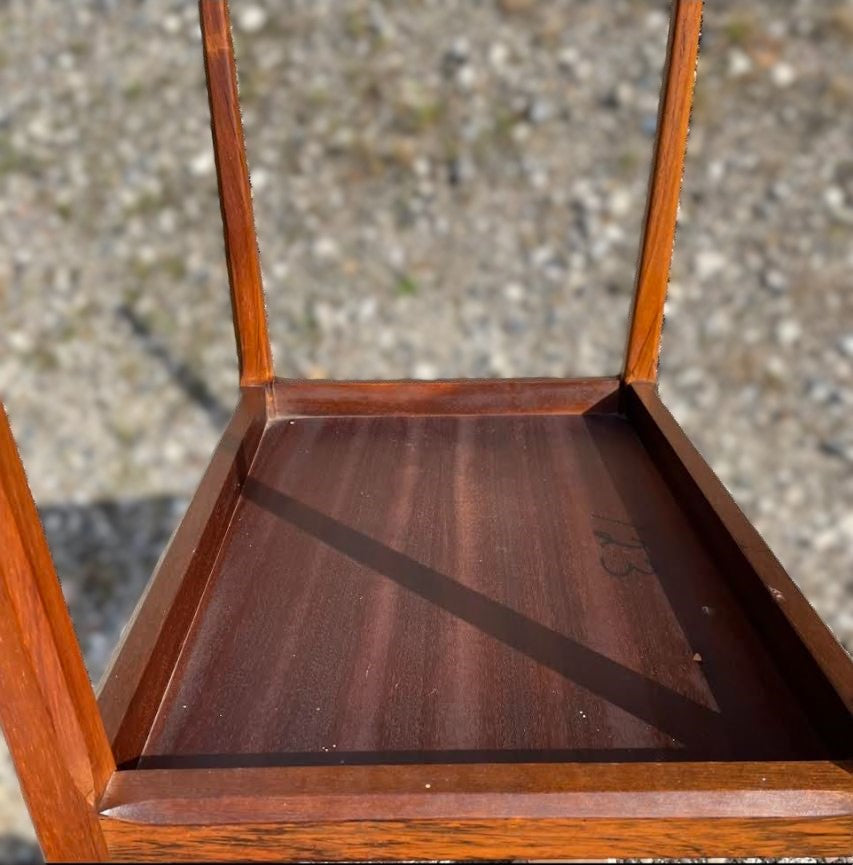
(622, 551)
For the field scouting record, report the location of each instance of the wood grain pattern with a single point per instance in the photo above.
(475, 791)
(437, 620)
(134, 681)
(235, 196)
(47, 707)
(439, 589)
(497, 839)
(643, 349)
(814, 663)
(293, 398)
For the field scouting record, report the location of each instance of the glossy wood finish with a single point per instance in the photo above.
(47, 709)
(135, 679)
(608, 790)
(482, 811)
(510, 498)
(643, 350)
(435, 620)
(485, 839)
(440, 589)
(293, 398)
(814, 662)
(235, 197)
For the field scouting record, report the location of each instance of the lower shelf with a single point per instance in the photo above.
(446, 589)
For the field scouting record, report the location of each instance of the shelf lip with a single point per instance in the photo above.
(463, 396)
(764, 584)
(338, 794)
(136, 676)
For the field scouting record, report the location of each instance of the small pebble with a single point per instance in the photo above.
(783, 74)
(252, 19)
(739, 64)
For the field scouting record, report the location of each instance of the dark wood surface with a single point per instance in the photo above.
(294, 398)
(133, 684)
(644, 332)
(444, 589)
(235, 196)
(47, 708)
(815, 664)
(437, 620)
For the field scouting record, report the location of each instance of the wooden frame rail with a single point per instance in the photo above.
(643, 350)
(145, 657)
(81, 762)
(485, 811)
(241, 243)
(49, 715)
(235, 196)
(241, 248)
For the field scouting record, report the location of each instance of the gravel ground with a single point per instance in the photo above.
(444, 188)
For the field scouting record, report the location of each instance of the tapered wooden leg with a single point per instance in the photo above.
(235, 197)
(643, 350)
(47, 707)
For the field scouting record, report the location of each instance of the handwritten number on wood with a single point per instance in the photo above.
(622, 551)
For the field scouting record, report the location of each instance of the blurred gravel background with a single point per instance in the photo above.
(444, 188)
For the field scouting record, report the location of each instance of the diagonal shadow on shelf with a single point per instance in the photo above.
(685, 720)
(639, 496)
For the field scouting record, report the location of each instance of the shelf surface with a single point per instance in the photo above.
(467, 589)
